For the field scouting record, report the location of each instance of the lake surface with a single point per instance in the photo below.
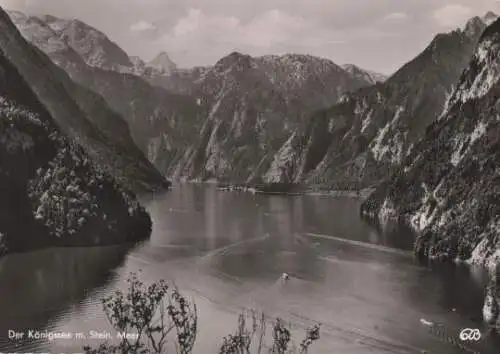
(227, 252)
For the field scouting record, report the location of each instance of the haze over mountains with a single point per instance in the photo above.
(174, 127)
(301, 119)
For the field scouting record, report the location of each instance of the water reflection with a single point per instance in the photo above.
(491, 308)
(212, 245)
(37, 286)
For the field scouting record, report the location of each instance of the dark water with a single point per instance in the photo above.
(227, 252)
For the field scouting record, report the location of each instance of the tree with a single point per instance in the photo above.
(146, 317)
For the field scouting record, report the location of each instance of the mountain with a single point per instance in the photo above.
(153, 114)
(363, 139)
(160, 67)
(162, 64)
(254, 104)
(80, 113)
(448, 187)
(172, 111)
(367, 75)
(489, 18)
(291, 71)
(180, 80)
(53, 194)
(92, 45)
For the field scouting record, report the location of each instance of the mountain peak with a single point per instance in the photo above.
(477, 24)
(492, 29)
(237, 56)
(91, 44)
(162, 63)
(234, 58)
(367, 75)
(489, 18)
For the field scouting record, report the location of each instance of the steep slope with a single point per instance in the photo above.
(255, 103)
(449, 186)
(80, 112)
(92, 45)
(367, 75)
(361, 140)
(293, 86)
(166, 125)
(156, 117)
(52, 192)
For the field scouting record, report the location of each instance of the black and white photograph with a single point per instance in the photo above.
(250, 176)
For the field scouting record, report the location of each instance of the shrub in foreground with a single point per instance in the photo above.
(146, 318)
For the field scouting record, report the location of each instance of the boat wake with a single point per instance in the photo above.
(361, 244)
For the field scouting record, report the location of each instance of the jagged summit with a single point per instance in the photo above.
(162, 63)
(234, 59)
(478, 23)
(368, 75)
(234, 56)
(298, 62)
(489, 17)
(447, 189)
(95, 48)
(483, 72)
(100, 130)
(294, 57)
(491, 30)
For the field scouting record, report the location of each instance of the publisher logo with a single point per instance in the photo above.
(470, 335)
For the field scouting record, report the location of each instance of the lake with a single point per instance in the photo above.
(227, 252)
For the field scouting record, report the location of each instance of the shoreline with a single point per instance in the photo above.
(361, 194)
(294, 190)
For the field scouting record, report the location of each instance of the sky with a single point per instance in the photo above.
(379, 35)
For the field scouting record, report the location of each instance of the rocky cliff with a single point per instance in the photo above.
(158, 119)
(93, 46)
(172, 112)
(255, 104)
(448, 187)
(364, 138)
(52, 192)
(79, 112)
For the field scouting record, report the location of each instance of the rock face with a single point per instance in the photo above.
(80, 113)
(250, 103)
(162, 64)
(448, 187)
(254, 106)
(92, 45)
(367, 75)
(52, 192)
(159, 121)
(365, 137)
(160, 67)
